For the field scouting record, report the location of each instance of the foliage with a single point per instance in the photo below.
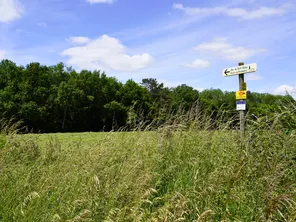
(170, 174)
(59, 99)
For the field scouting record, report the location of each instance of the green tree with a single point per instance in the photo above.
(184, 96)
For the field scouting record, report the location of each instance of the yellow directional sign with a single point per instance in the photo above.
(241, 95)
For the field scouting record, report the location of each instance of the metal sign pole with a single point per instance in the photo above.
(241, 112)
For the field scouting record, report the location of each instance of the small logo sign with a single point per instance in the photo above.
(241, 105)
(241, 95)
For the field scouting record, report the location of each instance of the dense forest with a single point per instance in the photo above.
(59, 99)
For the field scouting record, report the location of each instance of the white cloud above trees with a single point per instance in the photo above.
(106, 53)
(10, 10)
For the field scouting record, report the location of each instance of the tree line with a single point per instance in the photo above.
(59, 99)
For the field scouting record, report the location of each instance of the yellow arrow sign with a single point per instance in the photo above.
(241, 95)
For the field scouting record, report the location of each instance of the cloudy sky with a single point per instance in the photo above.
(186, 41)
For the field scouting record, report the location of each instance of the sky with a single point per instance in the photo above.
(175, 41)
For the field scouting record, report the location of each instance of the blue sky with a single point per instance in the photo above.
(185, 41)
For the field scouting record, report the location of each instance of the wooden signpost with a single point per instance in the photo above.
(241, 95)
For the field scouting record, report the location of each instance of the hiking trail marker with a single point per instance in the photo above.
(241, 105)
(239, 70)
(241, 95)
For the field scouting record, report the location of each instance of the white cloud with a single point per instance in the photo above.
(199, 89)
(10, 10)
(79, 40)
(178, 6)
(167, 83)
(264, 12)
(106, 53)
(252, 77)
(284, 89)
(198, 63)
(42, 24)
(2, 54)
(220, 47)
(100, 1)
(235, 12)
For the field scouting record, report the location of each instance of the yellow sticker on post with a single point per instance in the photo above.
(241, 95)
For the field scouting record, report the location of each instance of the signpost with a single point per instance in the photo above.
(241, 69)
(241, 95)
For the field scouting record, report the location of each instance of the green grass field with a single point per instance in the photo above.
(148, 176)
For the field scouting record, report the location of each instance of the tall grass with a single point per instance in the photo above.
(180, 172)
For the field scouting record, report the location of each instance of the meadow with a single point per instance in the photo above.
(167, 174)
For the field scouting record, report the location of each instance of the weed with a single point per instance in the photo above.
(178, 169)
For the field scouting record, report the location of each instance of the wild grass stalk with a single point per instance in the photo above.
(190, 167)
